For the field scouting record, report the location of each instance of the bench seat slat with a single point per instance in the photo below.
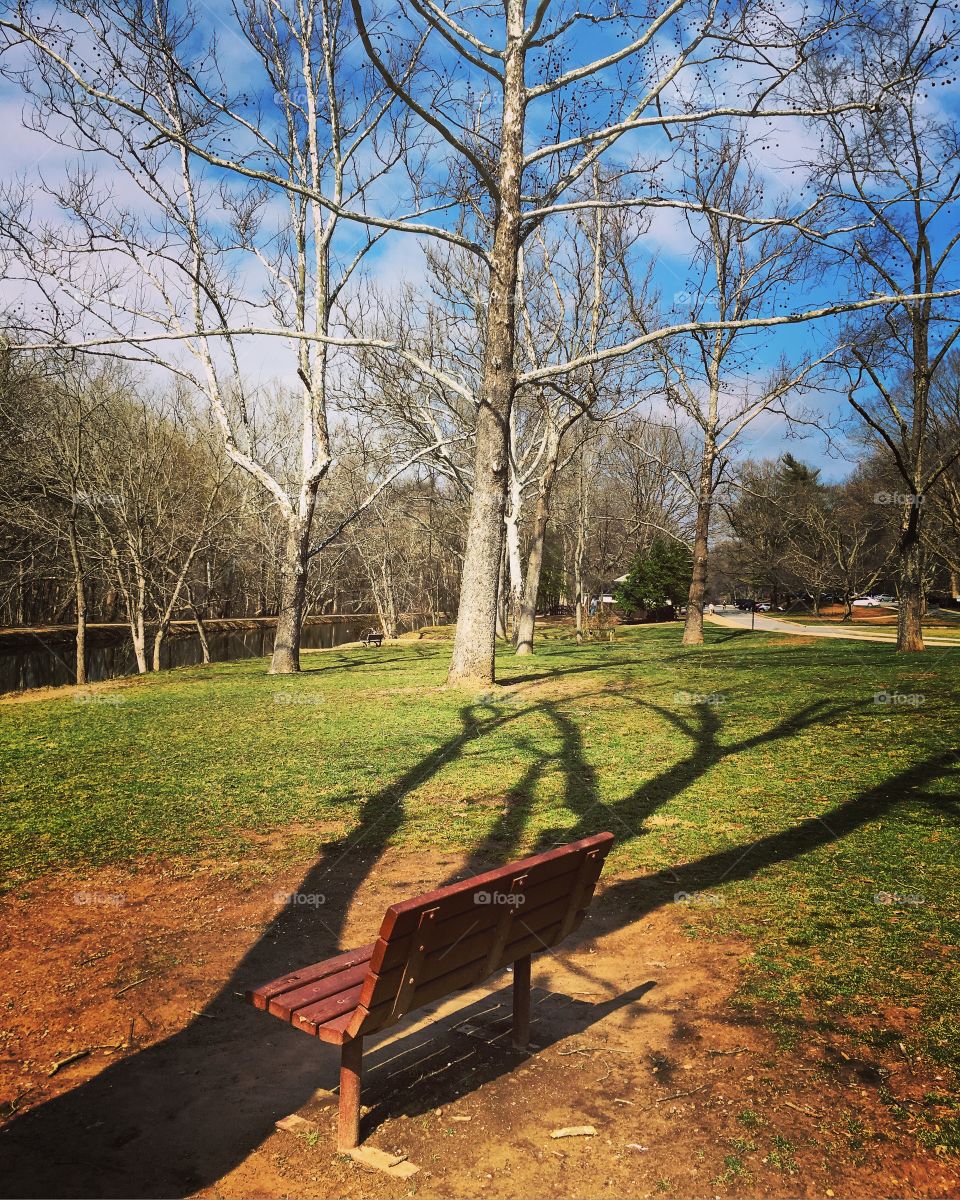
(260, 997)
(313, 1016)
(288, 1003)
(336, 1029)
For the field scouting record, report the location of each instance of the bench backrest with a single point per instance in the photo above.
(457, 936)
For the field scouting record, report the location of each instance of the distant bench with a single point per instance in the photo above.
(434, 945)
(372, 637)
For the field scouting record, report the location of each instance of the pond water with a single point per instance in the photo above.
(47, 660)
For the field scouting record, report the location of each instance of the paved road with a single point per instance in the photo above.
(734, 619)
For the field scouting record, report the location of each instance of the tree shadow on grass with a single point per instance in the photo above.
(507, 680)
(625, 817)
(180, 1114)
(743, 861)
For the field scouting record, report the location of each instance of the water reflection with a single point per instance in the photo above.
(50, 661)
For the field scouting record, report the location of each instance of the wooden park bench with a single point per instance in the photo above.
(435, 945)
(372, 637)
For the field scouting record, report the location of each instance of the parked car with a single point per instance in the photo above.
(875, 602)
(763, 606)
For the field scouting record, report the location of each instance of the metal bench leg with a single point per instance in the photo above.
(351, 1063)
(521, 1003)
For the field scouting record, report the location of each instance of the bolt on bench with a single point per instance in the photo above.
(434, 945)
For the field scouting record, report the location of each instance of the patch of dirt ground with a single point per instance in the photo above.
(131, 1066)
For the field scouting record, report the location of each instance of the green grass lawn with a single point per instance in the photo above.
(818, 820)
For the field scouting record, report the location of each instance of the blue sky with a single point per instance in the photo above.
(781, 155)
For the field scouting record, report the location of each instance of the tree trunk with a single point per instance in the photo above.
(474, 645)
(503, 598)
(138, 633)
(693, 628)
(531, 587)
(387, 607)
(80, 592)
(157, 643)
(514, 563)
(201, 633)
(910, 613)
(293, 591)
(163, 625)
(580, 553)
(81, 631)
(138, 619)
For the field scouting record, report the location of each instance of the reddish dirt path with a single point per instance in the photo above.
(638, 1038)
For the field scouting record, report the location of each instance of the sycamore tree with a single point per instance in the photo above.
(895, 169)
(470, 124)
(543, 91)
(212, 207)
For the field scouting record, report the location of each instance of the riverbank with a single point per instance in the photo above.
(44, 656)
(109, 633)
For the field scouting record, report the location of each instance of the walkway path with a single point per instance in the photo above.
(735, 619)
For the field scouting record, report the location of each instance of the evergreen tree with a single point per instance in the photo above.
(659, 575)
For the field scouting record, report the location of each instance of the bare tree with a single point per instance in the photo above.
(213, 252)
(146, 84)
(152, 489)
(519, 177)
(899, 166)
(46, 410)
(571, 290)
(740, 268)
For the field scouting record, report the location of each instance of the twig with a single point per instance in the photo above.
(72, 1058)
(800, 1108)
(677, 1095)
(135, 983)
(591, 1050)
(65, 1062)
(12, 1105)
(92, 958)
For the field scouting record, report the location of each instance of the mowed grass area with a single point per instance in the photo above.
(760, 774)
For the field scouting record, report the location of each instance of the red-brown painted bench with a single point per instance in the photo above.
(434, 945)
